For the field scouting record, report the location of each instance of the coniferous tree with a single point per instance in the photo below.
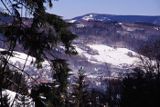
(42, 95)
(38, 34)
(80, 95)
(140, 89)
(60, 75)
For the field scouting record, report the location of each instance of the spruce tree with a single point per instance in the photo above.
(37, 33)
(60, 71)
(80, 94)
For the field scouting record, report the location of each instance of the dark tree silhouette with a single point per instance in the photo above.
(36, 32)
(60, 71)
(140, 89)
(80, 95)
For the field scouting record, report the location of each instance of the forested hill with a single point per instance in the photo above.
(120, 18)
(132, 32)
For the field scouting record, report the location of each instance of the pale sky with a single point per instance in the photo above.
(73, 8)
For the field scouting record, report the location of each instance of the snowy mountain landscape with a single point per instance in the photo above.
(112, 43)
(107, 45)
(104, 47)
(74, 53)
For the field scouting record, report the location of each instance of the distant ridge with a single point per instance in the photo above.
(119, 18)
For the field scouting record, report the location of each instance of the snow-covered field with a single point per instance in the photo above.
(96, 54)
(107, 54)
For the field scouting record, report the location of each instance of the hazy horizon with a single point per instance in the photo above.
(113, 14)
(73, 8)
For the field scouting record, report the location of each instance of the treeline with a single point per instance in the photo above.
(136, 89)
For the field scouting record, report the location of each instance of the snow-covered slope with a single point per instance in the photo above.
(94, 58)
(97, 59)
(107, 54)
(41, 75)
(10, 96)
(16, 100)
